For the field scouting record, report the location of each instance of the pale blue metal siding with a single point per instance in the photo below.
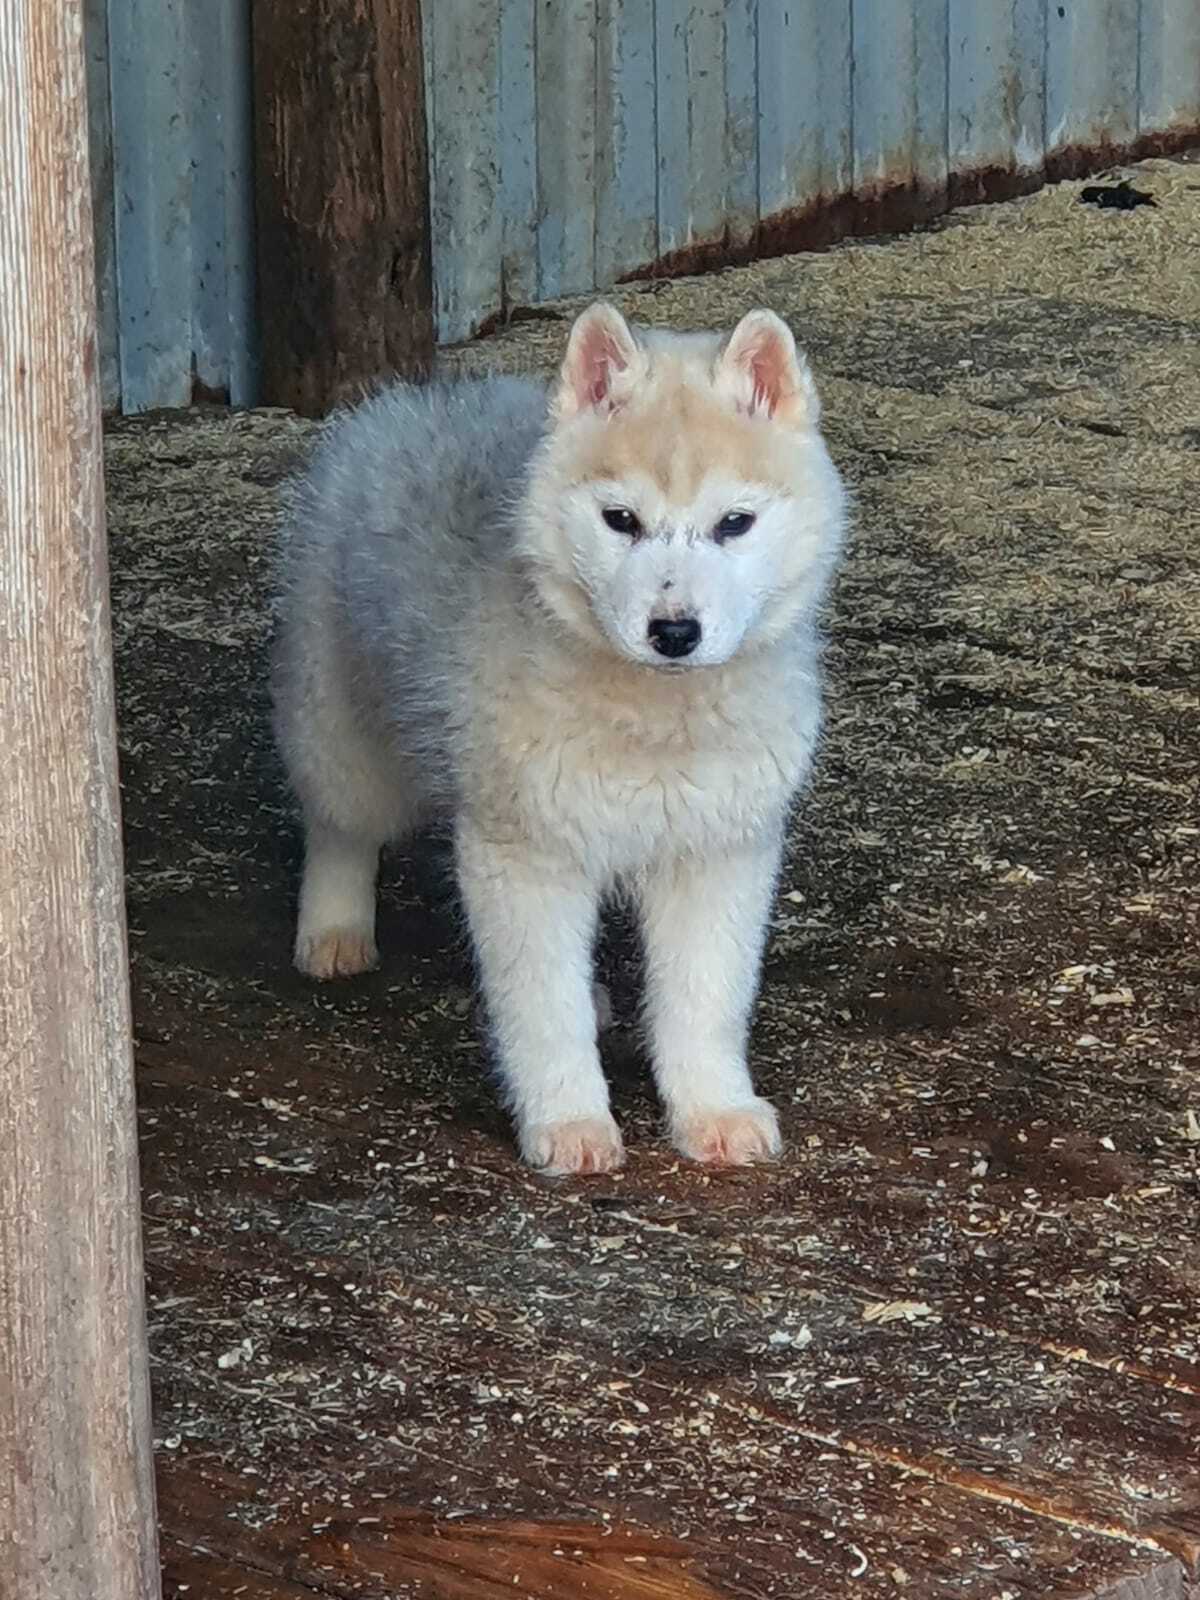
(1091, 73)
(172, 193)
(1169, 65)
(574, 142)
(996, 87)
(627, 160)
(645, 128)
(803, 105)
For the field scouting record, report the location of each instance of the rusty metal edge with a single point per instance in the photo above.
(902, 207)
(881, 209)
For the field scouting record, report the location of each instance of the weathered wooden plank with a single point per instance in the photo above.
(883, 1369)
(195, 1574)
(1091, 81)
(518, 151)
(95, 32)
(996, 92)
(222, 216)
(76, 1492)
(463, 72)
(691, 137)
(958, 1256)
(152, 179)
(566, 146)
(1169, 66)
(344, 292)
(805, 103)
(398, 1549)
(558, 1432)
(626, 148)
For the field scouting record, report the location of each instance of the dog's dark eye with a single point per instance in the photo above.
(622, 521)
(733, 523)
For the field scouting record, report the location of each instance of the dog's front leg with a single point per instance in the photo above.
(533, 920)
(704, 924)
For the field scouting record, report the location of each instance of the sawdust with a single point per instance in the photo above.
(980, 1017)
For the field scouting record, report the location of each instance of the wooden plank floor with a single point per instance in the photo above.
(950, 1345)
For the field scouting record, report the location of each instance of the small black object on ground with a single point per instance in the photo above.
(1116, 197)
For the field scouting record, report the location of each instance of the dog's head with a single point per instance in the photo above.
(683, 506)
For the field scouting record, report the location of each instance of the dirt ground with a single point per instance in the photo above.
(950, 1345)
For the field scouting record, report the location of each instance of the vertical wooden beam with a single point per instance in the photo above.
(76, 1491)
(342, 186)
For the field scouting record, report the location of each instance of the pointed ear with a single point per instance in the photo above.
(602, 363)
(761, 370)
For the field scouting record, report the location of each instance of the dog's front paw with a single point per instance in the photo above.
(586, 1145)
(336, 953)
(728, 1136)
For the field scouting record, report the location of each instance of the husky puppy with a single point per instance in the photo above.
(582, 625)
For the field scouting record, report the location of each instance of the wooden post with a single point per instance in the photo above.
(344, 284)
(76, 1490)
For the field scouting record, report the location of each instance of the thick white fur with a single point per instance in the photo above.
(460, 632)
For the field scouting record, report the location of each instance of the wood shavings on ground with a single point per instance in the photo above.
(980, 1018)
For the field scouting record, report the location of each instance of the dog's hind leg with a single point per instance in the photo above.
(335, 928)
(335, 925)
(356, 797)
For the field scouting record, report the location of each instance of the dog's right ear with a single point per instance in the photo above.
(601, 366)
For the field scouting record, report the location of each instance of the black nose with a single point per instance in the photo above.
(674, 636)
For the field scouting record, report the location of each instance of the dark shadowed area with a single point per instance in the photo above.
(950, 1345)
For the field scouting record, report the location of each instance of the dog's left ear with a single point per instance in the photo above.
(763, 373)
(602, 363)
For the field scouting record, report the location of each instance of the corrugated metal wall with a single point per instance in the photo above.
(169, 99)
(575, 141)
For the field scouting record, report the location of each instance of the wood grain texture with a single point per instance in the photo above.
(344, 288)
(397, 1551)
(76, 1495)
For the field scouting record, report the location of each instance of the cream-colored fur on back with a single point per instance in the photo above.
(585, 628)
